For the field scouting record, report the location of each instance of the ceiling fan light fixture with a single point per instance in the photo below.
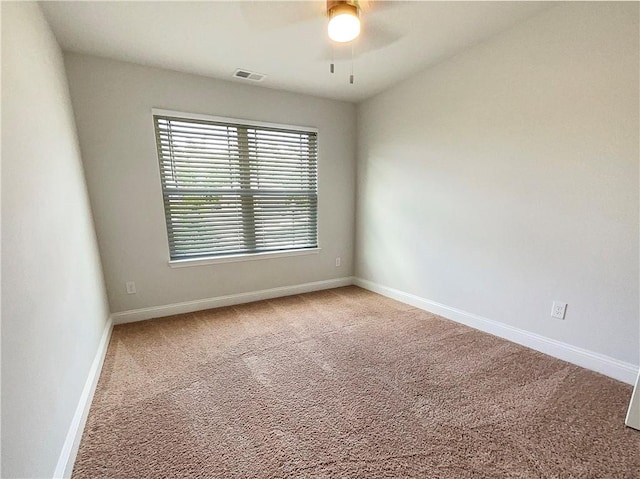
(344, 24)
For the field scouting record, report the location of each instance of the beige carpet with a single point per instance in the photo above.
(345, 384)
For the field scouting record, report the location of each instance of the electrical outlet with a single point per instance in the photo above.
(558, 310)
(338, 261)
(131, 287)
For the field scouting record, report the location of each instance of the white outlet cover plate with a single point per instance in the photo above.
(558, 309)
(131, 287)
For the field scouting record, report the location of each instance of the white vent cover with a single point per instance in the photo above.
(247, 75)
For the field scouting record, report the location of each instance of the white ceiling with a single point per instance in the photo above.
(287, 41)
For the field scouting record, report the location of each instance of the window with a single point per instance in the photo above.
(232, 187)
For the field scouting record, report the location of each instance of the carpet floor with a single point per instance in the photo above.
(345, 383)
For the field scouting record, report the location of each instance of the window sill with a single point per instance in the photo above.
(185, 263)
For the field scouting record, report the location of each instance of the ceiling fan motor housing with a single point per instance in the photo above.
(336, 7)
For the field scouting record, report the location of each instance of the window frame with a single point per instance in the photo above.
(244, 256)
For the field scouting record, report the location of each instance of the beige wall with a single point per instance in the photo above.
(507, 177)
(112, 103)
(54, 307)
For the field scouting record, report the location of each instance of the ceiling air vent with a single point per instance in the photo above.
(247, 75)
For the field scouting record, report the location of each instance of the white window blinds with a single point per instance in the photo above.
(233, 188)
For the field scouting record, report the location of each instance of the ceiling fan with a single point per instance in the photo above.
(344, 27)
(376, 30)
(347, 37)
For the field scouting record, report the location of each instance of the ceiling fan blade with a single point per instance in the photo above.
(374, 37)
(367, 6)
(264, 16)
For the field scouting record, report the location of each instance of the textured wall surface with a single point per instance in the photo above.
(506, 178)
(54, 306)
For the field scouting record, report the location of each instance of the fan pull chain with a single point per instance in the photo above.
(351, 76)
(332, 67)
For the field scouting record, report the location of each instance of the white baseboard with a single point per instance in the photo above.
(74, 435)
(614, 368)
(633, 414)
(228, 300)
